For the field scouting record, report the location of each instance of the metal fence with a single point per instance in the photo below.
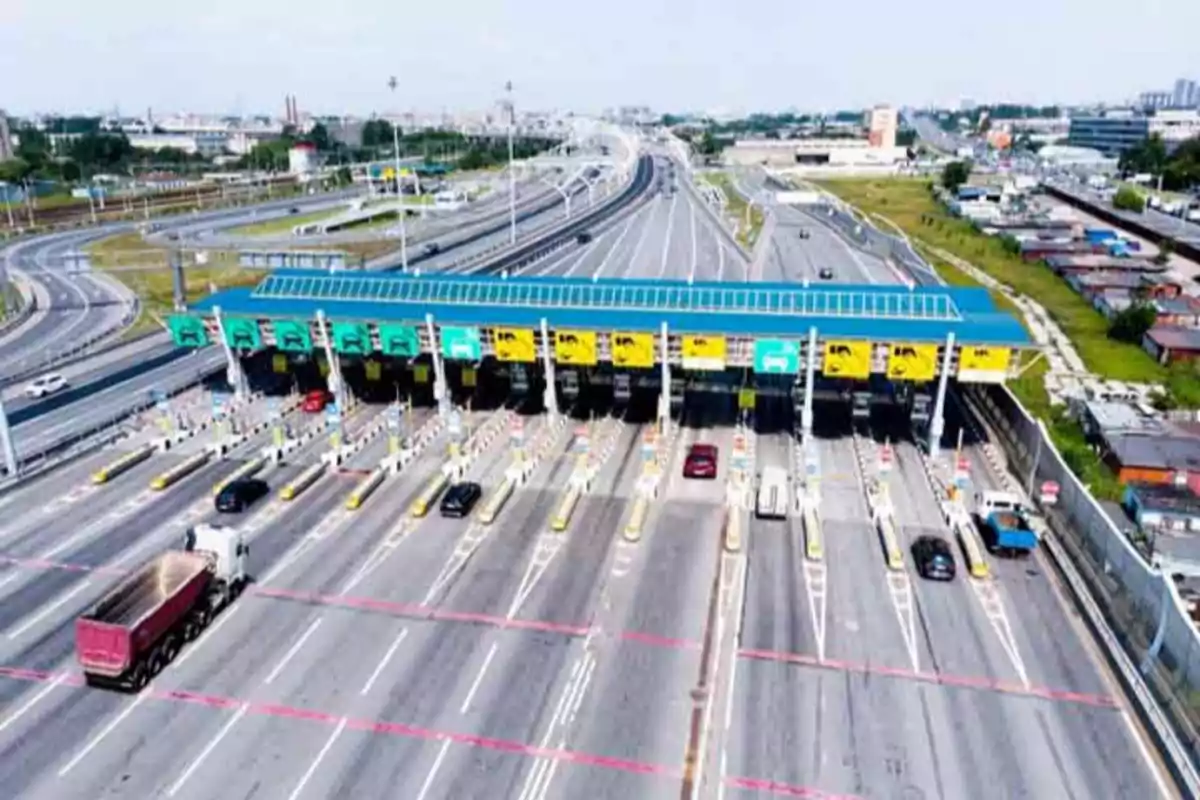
(1142, 603)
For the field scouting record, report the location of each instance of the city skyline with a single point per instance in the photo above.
(665, 55)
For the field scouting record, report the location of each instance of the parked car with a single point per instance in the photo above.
(315, 401)
(45, 385)
(935, 559)
(239, 495)
(701, 462)
(460, 499)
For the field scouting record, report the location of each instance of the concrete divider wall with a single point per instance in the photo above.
(302, 481)
(814, 548)
(1140, 602)
(420, 506)
(244, 471)
(122, 464)
(637, 519)
(179, 471)
(562, 517)
(366, 488)
(496, 502)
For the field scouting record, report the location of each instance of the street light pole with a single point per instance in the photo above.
(399, 195)
(512, 175)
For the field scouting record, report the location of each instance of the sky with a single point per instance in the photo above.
(243, 56)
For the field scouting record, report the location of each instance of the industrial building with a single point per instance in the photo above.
(1115, 131)
(877, 150)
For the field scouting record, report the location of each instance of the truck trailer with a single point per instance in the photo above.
(140, 625)
(1004, 524)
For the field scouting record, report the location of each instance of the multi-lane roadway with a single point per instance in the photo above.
(379, 653)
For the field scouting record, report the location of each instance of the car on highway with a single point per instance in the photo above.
(432, 249)
(825, 274)
(583, 237)
(315, 401)
(701, 462)
(45, 385)
(294, 210)
(804, 234)
(460, 499)
(935, 560)
(236, 496)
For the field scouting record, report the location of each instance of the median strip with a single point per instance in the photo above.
(305, 479)
(180, 470)
(891, 542)
(496, 502)
(122, 464)
(420, 506)
(562, 518)
(244, 471)
(637, 520)
(733, 531)
(813, 548)
(366, 488)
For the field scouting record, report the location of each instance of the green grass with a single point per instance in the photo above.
(908, 203)
(282, 224)
(736, 204)
(154, 285)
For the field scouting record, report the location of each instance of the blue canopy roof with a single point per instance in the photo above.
(887, 313)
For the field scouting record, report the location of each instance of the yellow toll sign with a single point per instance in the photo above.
(633, 350)
(279, 363)
(704, 352)
(912, 362)
(514, 344)
(747, 398)
(420, 373)
(577, 348)
(847, 360)
(373, 370)
(983, 364)
(468, 377)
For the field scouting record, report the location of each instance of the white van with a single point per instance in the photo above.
(772, 501)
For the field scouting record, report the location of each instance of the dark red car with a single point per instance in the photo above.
(315, 401)
(701, 462)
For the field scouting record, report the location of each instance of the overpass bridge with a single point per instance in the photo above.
(860, 342)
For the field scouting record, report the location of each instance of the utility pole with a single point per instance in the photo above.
(392, 83)
(512, 175)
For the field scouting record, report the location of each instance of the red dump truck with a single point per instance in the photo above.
(135, 630)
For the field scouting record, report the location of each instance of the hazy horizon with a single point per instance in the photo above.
(227, 57)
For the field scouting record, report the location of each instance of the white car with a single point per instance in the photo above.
(45, 385)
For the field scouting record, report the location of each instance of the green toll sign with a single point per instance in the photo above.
(241, 334)
(352, 338)
(776, 357)
(400, 341)
(292, 336)
(461, 343)
(187, 330)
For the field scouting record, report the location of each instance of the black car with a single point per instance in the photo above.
(826, 274)
(239, 495)
(432, 249)
(294, 210)
(804, 234)
(460, 499)
(935, 560)
(583, 238)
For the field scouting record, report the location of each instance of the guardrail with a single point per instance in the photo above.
(179, 471)
(491, 509)
(122, 464)
(244, 471)
(562, 517)
(302, 481)
(429, 495)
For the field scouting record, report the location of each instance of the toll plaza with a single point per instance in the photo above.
(863, 344)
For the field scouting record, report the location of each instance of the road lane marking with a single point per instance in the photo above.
(384, 661)
(437, 764)
(312, 768)
(900, 592)
(815, 581)
(109, 728)
(295, 648)
(33, 701)
(487, 662)
(48, 610)
(662, 270)
(212, 745)
(628, 225)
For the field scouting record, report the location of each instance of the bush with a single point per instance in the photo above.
(1128, 199)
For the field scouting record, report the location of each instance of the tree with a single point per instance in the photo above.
(1127, 199)
(1131, 324)
(955, 174)
(319, 138)
(14, 170)
(1165, 248)
(1149, 156)
(377, 133)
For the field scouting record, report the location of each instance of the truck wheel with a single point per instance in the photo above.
(190, 630)
(170, 649)
(139, 677)
(154, 664)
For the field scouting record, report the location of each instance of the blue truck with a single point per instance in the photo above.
(1004, 524)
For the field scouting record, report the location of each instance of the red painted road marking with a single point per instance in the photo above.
(785, 789)
(435, 614)
(380, 727)
(939, 678)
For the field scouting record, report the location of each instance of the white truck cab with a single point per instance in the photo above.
(226, 549)
(772, 500)
(990, 501)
